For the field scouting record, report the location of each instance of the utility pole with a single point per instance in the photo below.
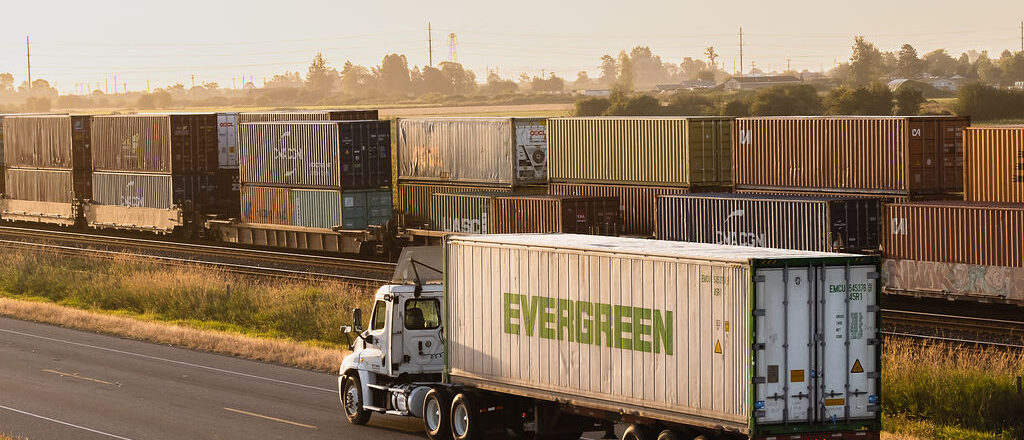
(28, 58)
(788, 61)
(740, 51)
(430, 44)
(125, 86)
(147, 86)
(106, 86)
(1022, 36)
(193, 80)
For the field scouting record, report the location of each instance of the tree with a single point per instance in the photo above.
(211, 85)
(6, 82)
(642, 105)
(321, 78)
(691, 68)
(865, 62)
(431, 80)
(939, 63)
(982, 102)
(592, 106)
(786, 101)
(462, 81)
(284, 80)
(711, 55)
(624, 82)
(691, 103)
(356, 80)
(908, 65)
(647, 67)
(394, 74)
(497, 85)
(874, 99)
(549, 84)
(609, 70)
(1012, 66)
(737, 108)
(988, 72)
(908, 101)
(583, 81)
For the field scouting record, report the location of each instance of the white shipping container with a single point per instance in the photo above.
(296, 154)
(681, 332)
(227, 140)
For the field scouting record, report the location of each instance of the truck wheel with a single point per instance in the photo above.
(352, 401)
(436, 407)
(466, 423)
(636, 432)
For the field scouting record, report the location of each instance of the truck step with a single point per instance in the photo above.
(374, 408)
(397, 413)
(377, 387)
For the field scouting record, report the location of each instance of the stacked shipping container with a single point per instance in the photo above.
(309, 115)
(146, 165)
(227, 159)
(484, 213)
(638, 159)
(823, 224)
(447, 155)
(47, 169)
(968, 249)
(994, 164)
(316, 174)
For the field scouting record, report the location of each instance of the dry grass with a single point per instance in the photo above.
(268, 350)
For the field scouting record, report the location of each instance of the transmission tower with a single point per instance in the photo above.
(453, 55)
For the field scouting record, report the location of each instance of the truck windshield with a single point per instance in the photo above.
(421, 314)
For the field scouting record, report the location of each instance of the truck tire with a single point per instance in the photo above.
(436, 419)
(636, 432)
(467, 424)
(352, 400)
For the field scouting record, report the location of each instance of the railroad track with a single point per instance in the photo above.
(245, 261)
(953, 328)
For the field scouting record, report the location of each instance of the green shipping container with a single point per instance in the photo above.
(680, 152)
(363, 208)
(462, 212)
(315, 208)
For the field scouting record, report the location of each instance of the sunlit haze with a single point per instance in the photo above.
(75, 43)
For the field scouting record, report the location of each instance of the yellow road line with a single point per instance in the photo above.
(78, 376)
(270, 418)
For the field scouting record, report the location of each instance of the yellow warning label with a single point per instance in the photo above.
(718, 347)
(857, 368)
(726, 325)
(835, 402)
(796, 375)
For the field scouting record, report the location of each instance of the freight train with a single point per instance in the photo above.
(936, 198)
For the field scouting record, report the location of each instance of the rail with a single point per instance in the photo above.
(953, 328)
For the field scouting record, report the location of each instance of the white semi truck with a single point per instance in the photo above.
(547, 336)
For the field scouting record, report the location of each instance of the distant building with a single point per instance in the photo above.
(597, 92)
(692, 84)
(895, 84)
(951, 84)
(1018, 85)
(759, 82)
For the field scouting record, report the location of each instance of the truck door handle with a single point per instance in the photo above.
(420, 343)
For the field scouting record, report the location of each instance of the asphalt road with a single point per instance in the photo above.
(57, 384)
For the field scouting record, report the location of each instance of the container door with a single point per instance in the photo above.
(784, 351)
(848, 348)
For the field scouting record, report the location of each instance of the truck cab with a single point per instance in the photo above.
(400, 351)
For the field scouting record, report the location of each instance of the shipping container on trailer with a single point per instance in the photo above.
(315, 208)
(887, 155)
(470, 212)
(228, 185)
(807, 223)
(413, 200)
(640, 150)
(265, 205)
(883, 198)
(994, 164)
(637, 203)
(967, 250)
(551, 213)
(48, 169)
(363, 208)
(501, 152)
(757, 341)
(152, 202)
(309, 115)
(318, 154)
(180, 143)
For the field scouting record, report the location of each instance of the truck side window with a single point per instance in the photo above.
(379, 315)
(422, 314)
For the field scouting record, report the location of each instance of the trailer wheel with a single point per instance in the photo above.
(636, 432)
(466, 420)
(436, 420)
(668, 434)
(352, 401)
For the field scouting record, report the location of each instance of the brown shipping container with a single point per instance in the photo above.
(655, 151)
(994, 164)
(39, 185)
(308, 115)
(636, 203)
(38, 141)
(414, 199)
(550, 213)
(262, 204)
(880, 197)
(911, 156)
(987, 234)
(154, 143)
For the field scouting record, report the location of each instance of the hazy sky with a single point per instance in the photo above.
(166, 42)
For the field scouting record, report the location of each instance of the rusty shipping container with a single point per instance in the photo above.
(39, 185)
(308, 115)
(823, 224)
(414, 200)
(888, 155)
(508, 152)
(267, 205)
(988, 234)
(51, 142)
(319, 154)
(636, 203)
(752, 341)
(156, 143)
(994, 164)
(652, 151)
(551, 213)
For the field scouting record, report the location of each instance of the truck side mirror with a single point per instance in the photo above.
(357, 319)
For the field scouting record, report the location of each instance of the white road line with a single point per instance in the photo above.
(172, 361)
(64, 423)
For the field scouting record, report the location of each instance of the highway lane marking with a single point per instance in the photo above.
(64, 423)
(79, 376)
(172, 361)
(270, 418)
